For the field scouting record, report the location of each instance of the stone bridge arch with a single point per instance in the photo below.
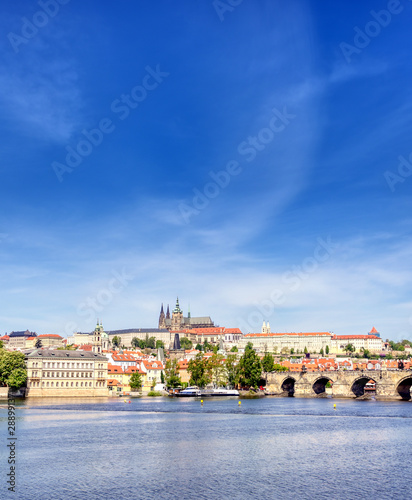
(403, 387)
(358, 385)
(288, 385)
(319, 384)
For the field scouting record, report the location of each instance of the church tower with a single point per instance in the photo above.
(168, 312)
(266, 327)
(177, 317)
(97, 339)
(162, 322)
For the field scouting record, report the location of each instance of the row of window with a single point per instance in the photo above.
(78, 384)
(66, 374)
(58, 364)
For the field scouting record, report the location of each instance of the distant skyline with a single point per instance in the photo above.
(254, 160)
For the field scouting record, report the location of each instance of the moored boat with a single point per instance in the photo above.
(219, 392)
(189, 392)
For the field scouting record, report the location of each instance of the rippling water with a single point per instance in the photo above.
(163, 448)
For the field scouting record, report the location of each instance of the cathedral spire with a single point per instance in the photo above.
(168, 312)
(162, 323)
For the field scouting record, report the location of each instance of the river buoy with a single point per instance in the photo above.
(334, 406)
(201, 401)
(240, 402)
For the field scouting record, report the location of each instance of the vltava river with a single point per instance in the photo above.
(162, 448)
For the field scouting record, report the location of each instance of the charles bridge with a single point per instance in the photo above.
(389, 384)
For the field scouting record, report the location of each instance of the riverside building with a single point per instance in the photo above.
(66, 374)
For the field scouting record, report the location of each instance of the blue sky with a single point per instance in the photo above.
(242, 155)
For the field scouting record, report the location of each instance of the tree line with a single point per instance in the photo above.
(219, 370)
(13, 372)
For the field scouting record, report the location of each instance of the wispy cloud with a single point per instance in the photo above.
(43, 99)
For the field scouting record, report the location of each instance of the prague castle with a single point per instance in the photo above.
(178, 322)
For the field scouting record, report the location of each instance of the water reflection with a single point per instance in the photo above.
(169, 448)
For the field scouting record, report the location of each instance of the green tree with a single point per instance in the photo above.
(206, 346)
(17, 378)
(185, 343)
(232, 370)
(172, 376)
(234, 349)
(1, 344)
(162, 377)
(267, 363)
(199, 347)
(116, 341)
(151, 343)
(396, 346)
(280, 368)
(321, 352)
(389, 356)
(200, 371)
(250, 367)
(11, 367)
(292, 350)
(366, 353)
(305, 350)
(349, 348)
(327, 349)
(141, 344)
(136, 381)
(160, 344)
(217, 366)
(135, 342)
(38, 344)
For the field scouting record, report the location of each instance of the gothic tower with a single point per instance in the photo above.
(162, 323)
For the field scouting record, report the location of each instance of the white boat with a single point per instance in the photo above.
(219, 391)
(189, 392)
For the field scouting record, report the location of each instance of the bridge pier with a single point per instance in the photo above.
(304, 389)
(341, 389)
(385, 388)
